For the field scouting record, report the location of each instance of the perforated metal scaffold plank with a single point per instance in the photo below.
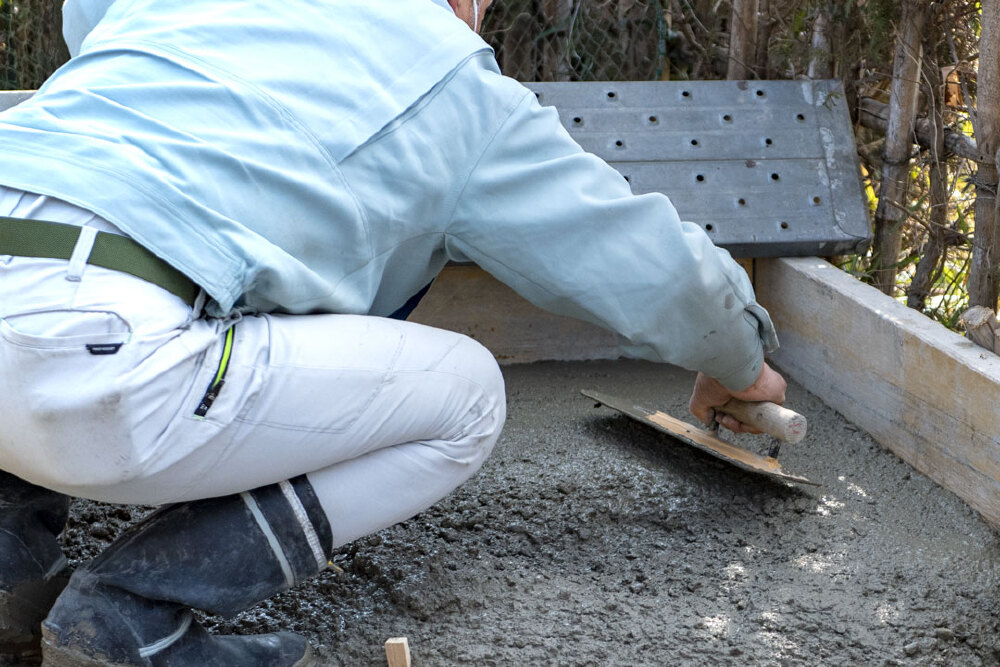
(767, 168)
(9, 98)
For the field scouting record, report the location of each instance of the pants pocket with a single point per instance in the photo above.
(98, 330)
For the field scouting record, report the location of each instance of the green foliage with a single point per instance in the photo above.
(879, 18)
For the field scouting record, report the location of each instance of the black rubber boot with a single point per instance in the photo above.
(32, 564)
(131, 605)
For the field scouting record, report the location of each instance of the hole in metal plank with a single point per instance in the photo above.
(775, 176)
(700, 178)
(783, 225)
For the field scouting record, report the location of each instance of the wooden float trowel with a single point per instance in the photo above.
(774, 420)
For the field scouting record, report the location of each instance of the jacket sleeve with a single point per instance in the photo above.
(562, 228)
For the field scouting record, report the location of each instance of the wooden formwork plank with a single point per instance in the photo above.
(468, 300)
(926, 393)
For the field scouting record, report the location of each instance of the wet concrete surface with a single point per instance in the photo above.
(589, 539)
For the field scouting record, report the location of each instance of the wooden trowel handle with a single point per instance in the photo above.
(784, 424)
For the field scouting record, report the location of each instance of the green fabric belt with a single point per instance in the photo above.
(54, 240)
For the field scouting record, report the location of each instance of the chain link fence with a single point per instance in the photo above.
(535, 40)
(580, 40)
(31, 44)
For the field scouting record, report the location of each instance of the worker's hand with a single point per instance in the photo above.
(709, 394)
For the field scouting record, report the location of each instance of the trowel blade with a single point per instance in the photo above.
(704, 440)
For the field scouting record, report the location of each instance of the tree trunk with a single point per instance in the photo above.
(927, 269)
(821, 58)
(765, 24)
(983, 270)
(892, 201)
(742, 37)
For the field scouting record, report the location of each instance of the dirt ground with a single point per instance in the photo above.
(588, 539)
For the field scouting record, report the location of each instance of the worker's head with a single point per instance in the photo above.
(471, 11)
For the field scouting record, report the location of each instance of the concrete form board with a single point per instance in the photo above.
(925, 393)
(468, 300)
(767, 168)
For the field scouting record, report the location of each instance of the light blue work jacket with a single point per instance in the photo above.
(308, 156)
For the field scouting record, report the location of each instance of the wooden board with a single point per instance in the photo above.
(470, 301)
(466, 299)
(926, 393)
(704, 440)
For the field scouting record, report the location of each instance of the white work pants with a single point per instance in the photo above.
(385, 417)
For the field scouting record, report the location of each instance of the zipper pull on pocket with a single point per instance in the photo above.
(220, 374)
(209, 398)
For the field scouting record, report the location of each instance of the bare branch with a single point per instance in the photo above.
(875, 115)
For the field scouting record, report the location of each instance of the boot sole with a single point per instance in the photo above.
(54, 655)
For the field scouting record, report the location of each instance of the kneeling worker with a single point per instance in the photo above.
(207, 217)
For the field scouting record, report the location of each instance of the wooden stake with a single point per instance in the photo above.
(397, 652)
(982, 328)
